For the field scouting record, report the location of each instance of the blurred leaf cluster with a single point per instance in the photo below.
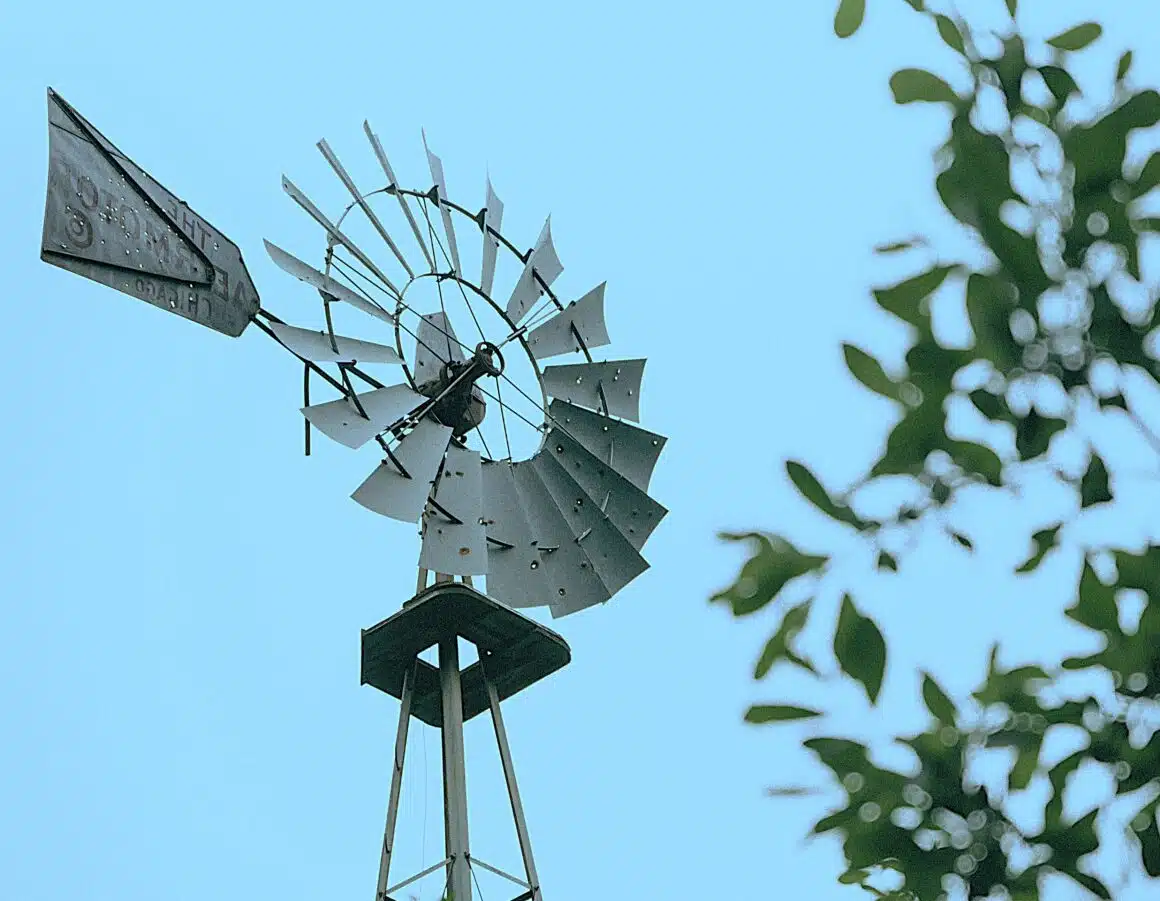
(1063, 325)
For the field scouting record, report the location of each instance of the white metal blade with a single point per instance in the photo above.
(390, 173)
(572, 581)
(435, 345)
(543, 267)
(630, 509)
(436, 166)
(305, 272)
(388, 492)
(586, 316)
(351, 187)
(616, 383)
(515, 575)
(341, 421)
(456, 548)
(331, 229)
(492, 219)
(629, 450)
(317, 346)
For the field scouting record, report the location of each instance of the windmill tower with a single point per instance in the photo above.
(562, 529)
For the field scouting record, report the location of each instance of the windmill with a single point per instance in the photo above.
(562, 528)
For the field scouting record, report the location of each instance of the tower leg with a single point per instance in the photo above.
(396, 783)
(454, 773)
(509, 773)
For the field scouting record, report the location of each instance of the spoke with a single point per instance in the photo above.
(382, 157)
(503, 419)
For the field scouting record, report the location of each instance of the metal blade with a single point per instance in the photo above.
(319, 346)
(541, 269)
(304, 272)
(514, 573)
(492, 219)
(615, 383)
(108, 220)
(390, 173)
(436, 165)
(629, 450)
(613, 557)
(389, 492)
(572, 581)
(335, 234)
(345, 178)
(584, 317)
(341, 421)
(631, 510)
(456, 548)
(435, 345)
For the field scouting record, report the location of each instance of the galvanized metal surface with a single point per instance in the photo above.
(456, 840)
(514, 572)
(492, 220)
(304, 272)
(614, 384)
(342, 421)
(396, 782)
(542, 268)
(435, 344)
(458, 548)
(436, 166)
(630, 451)
(390, 493)
(320, 346)
(583, 317)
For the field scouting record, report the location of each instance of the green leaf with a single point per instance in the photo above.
(1059, 82)
(869, 372)
(993, 406)
(1078, 37)
(917, 5)
(1149, 176)
(950, 34)
(937, 701)
(899, 246)
(978, 460)
(854, 877)
(1012, 6)
(1094, 487)
(1097, 151)
(1095, 607)
(1124, 65)
(779, 646)
(813, 491)
(887, 561)
(860, 649)
(963, 540)
(920, 86)
(1025, 765)
(989, 307)
(904, 299)
(775, 562)
(760, 714)
(1150, 846)
(1034, 432)
(849, 17)
(1045, 540)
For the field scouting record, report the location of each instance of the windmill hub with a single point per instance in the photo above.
(459, 404)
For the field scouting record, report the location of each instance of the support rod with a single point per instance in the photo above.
(454, 772)
(509, 773)
(396, 783)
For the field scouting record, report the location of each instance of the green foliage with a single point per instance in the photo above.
(1080, 228)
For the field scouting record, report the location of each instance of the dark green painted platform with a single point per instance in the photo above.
(517, 650)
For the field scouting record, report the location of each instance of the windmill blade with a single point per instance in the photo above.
(394, 182)
(492, 219)
(335, 233)
(630, 509)
(345, 178)
(630, 451)
(320, 346)
(435, 344)
(615, 384)
(436, 166)
(304, 272)
(341, 421)
(583, 317)
(572, 582)
(542, 268)
(613, 557)
(390, 493)
(456, 548)
(108, 220)
(515, 574)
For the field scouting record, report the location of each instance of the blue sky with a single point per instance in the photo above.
(184, 590)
